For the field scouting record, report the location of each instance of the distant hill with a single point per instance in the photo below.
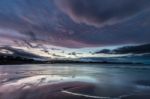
(133, 55)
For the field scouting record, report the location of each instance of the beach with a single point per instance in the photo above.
(70, 81)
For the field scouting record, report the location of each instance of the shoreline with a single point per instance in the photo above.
(73, 62)
(62, 90)
(50, 91)
(93, 84)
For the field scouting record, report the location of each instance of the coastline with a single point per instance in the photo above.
(74, 82)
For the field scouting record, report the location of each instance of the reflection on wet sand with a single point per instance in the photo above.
(74, 82)
(45, 87)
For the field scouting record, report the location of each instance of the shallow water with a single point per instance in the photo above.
(110, 81)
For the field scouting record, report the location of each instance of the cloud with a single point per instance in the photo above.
(20, 52)
(24, 22)
(101, 12)
(11, 33)
(139, 49)
(136, 49)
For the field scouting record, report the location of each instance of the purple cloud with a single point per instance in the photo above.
(101, 12)
(43, 22)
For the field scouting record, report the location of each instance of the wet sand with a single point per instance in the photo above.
(74, 82)
(138, 97)
(143, 82)
(61, 90)
(51, 91)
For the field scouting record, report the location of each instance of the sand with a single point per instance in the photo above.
(51, 91)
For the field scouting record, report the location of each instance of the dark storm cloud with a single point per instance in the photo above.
(139, 49)
(19, 52)
(135, 49)
(101, 12)
(27, 20)
(43, 22)
(37, 21)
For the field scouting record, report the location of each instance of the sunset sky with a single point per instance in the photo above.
(73, 24)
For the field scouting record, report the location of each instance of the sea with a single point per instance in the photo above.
(109, 81)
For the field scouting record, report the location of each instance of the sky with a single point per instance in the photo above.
(74, 24)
